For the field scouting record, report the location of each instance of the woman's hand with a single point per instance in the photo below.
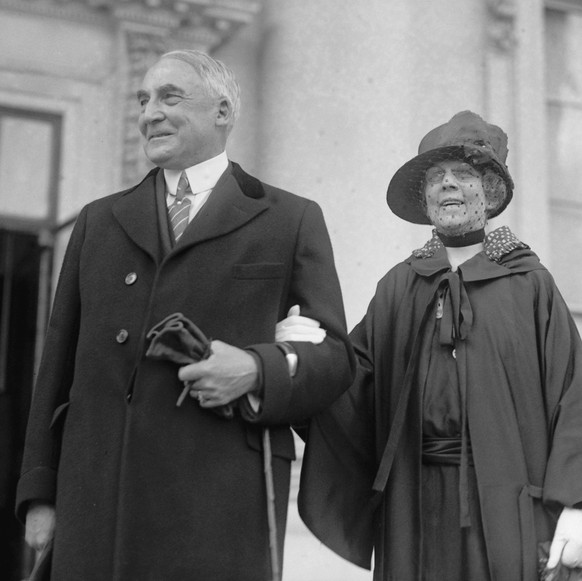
(567, 542)
(298, 328)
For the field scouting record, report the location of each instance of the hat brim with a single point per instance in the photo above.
(404, 195)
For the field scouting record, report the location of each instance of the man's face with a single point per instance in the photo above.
(455, 200)
(182, 125)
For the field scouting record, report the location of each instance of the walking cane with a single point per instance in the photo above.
(267, 455)
(292, 360)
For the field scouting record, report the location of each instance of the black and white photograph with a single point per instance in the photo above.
(290, 290)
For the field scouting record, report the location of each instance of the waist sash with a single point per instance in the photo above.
(444, 451)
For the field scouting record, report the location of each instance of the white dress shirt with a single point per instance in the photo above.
(202, 178)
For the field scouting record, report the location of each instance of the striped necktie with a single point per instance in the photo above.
(179, 211)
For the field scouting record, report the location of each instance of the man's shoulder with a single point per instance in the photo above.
(253, 187)
(107, 200)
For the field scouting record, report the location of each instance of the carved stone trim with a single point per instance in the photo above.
(218, 18)
(565, 5)
(501, 28)
(142, 49)
(62, 10)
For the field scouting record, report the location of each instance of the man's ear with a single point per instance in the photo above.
(224, 112)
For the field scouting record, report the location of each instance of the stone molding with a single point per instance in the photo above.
(501, 25)
(565, 5)
(142, 49)
(221, 16)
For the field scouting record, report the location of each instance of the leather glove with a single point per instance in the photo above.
(179, 340)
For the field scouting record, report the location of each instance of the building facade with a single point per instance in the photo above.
(336, 96)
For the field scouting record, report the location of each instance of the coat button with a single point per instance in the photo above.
(130, 278)
(122, 336)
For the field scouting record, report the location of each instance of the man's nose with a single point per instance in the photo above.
(152, 112)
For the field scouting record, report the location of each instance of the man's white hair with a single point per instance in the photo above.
(217, 78)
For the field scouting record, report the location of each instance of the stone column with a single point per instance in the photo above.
(332, 101)
(532, 193)
(515, 99)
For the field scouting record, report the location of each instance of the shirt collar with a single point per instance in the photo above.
(202, 176)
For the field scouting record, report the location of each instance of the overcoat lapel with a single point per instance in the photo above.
(137, 214)
(227, 209)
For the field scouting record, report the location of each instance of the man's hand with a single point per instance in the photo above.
(226, 375)
(567, 542)
(40, 525)
(297, 328)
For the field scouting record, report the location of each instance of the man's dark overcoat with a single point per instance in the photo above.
(521, 359)
(145, 490)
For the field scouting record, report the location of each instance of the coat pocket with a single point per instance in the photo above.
(259, 270)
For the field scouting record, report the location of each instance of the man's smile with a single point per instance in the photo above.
(159, 135)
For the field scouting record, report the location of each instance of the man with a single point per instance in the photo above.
(131, 485)
(459, 446)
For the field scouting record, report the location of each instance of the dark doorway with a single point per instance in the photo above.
(20, 268)
(30, 153)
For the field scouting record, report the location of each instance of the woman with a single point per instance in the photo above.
(459, 446)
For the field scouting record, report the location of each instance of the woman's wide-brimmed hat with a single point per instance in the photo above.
(466, 137)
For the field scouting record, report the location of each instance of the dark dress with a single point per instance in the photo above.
(442, 417)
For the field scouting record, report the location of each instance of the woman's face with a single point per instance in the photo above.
(455, 199)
